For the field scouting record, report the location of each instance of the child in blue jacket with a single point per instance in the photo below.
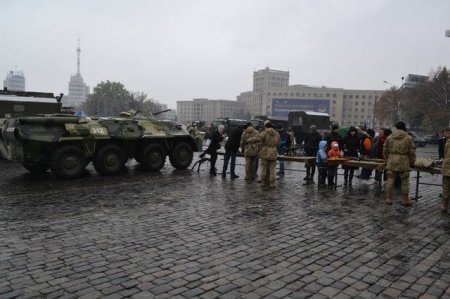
(321, 160)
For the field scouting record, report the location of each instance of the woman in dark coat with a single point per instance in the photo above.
(350, 145)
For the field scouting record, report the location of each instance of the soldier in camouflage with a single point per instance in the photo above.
(250, 150)
(446, 173)
(270, 139)
(399, 151)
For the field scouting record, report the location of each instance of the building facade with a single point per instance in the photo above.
(15, 80)
(208, 110)
(78, 90)
(273, 96)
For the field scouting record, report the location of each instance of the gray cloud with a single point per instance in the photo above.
(178, 50)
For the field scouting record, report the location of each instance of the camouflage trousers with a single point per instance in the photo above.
(268, 166)
(404, 178)
(445, 187)
(250, 167)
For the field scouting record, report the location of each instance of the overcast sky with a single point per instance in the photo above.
(179, 49)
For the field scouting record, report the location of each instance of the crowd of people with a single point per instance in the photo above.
(396, 148)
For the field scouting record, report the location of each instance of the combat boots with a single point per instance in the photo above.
(406, 201)
(444, 205)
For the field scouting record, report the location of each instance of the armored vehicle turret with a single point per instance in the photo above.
(66, 144)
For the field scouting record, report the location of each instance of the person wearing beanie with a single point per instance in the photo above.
(311, 146)
(399, 151)
(350, 145)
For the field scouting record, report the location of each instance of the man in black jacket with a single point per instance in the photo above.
(231, 150)
(311, 146)
(214, 145)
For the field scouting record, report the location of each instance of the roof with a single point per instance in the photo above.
(14, 98)
(317, 113)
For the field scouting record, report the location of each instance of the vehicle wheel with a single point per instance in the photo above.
(153, 157)
(36, 167)
(181, 156)
(68, 162)
(109, 160)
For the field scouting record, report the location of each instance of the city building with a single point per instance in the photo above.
(15, 80)
(272, 96)
(208, 110)
(412, 80)
(78, 90)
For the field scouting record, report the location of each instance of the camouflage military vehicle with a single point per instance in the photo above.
(66, 144)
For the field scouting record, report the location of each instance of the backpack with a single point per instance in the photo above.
(367, 144)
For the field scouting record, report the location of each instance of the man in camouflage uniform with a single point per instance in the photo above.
(399, 151)
(446, 173)
(250, 150)
(269, 139)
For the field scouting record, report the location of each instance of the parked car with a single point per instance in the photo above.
(419, 141)
(432, 139)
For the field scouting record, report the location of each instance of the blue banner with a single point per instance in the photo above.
(282, 107)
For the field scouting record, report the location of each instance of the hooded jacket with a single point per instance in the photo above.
(334, 152)
(250, 149)
(322, 156)
(270, 139)
(400, 151)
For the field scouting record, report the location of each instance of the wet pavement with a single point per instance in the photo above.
(185, 234)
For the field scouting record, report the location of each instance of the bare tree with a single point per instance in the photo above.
(387, 107)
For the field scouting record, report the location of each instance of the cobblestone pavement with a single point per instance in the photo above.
(183, 234)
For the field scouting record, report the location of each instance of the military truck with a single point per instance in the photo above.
(66, 144)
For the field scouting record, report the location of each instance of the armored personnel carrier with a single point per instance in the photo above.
(66, 144)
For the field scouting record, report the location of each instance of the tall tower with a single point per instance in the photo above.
(78, 56)
(78, 90)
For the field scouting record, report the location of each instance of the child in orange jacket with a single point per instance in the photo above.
(334, 152)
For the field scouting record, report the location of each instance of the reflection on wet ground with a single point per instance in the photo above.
(185, 233)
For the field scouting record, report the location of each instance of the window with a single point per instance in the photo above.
(363, 97)
(363, 103)
(350, 97)
(370, 97)
(334, 101)
(315, 94)
(363, 110)
(344, 96)
(357, 97)
(356, 103)
(334, 95)
(269, 93)
(286, 94)
(356, 109)
(297, 94)
(328, 95)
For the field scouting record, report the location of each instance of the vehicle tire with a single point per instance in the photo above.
(109, 160)
(36, 167)
(67, 162)
(181, 156)
(153, 157)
